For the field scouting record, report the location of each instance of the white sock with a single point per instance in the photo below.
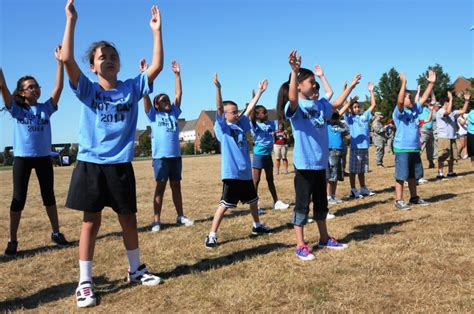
(133, 259)
(85, 268)
(256, 224)
(212, 234)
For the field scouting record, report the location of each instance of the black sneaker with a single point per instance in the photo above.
(11, 249)
(440, 177)
(261, 229)
(59, 239)
(418, 201)
(452, 175)
(211, 242)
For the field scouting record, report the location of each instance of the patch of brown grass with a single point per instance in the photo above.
(416, 261)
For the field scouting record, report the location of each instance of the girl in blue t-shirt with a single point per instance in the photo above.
(166, 152)
(32, 148)
(308, 117)
(262, 132)
(103, 175)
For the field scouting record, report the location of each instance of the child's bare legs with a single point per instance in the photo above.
(462, 146)
(90, 228)
(271, 184)
(177, 197)
(451, 164)
(158, 199)
(218, 218)
(285, 164)
(128, 222)
(254, 212)
(412, 187)
(52, 212)
(361, 177)
(277, 166)
(331, 189)
(299, 234)
(399, 190)
(256, 174)
(352, 180)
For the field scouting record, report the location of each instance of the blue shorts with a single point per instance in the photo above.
(262, 162)
(408, 166)
(168, 168)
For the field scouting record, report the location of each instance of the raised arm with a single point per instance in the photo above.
(401, 93)
(7, 96)
(219, 105)
(295, 63)
(67, 51)
(327, 88)
(449, 108)
(340, 100)
(178, 90)
(262, 86)
(430, 115)
(418, 92)
(467, 97)
(157, 60)
(372, 96)
(429, 88)
(58, 87)
(347, 104)
(146, 99)
(433, 97)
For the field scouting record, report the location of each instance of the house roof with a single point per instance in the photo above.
(189, 126)
(181, 123)
(211, 114)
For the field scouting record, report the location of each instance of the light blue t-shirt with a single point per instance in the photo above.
(359, 129)
(32, 129)
(335, 136)
(407, 122)
(470, 122)
(308, 122)
(447, 126)
(235, 158)
(109, 119)
(262, 133)
(424, 115)
(165, 132)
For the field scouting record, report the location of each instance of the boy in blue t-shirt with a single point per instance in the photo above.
(166, 152)
(236, 172)
(358, 123)
(406, 145)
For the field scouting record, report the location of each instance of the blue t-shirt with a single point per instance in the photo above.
(424, 115)
(235, 158)
(359, 129)
(262, 133)
(407, 122)
(165, 132)
(308, 122)
(470, 122)
(109, 119)
(32, 130)
(335, 136)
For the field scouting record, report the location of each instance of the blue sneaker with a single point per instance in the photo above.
(155, 226)
(304, 253)
(332, 244)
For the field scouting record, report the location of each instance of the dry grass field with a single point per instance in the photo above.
(415, 261)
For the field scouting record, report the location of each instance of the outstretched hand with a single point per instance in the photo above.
(295, 61)
(318, 71)
(402, 77)
(216, 81)
(356, 80)
(450, 95)
(262, 86)
(370, 87)
(71, 12)
(431, 76)
(175, 67)
(155, 21)
(143, 65)
(57, 53)
(467, 95)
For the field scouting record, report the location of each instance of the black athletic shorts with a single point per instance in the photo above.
(95, 186)
(234, 191)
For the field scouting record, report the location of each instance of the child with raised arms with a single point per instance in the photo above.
(231, 129)
(32, 148)
(166, 152)
(263, 132)
(104, 175)
(308, 117)
(406, 144)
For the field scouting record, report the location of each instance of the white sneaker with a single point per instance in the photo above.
(183, 220)
(364, 191)
(422, 181)
(155, 226)
(337, 199)
(310, 220)
(355, 194)
(85, 296)
(331, 201)
(280, 205)
(143, 277)
(330, 216)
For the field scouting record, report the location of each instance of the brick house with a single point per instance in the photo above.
(461, 84)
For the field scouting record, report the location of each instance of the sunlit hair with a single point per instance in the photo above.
(93, 48)
(17, 97)
(230, 102)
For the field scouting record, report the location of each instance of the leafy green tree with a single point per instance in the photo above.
(386, 92)
(144, 145)
(208, 143)
(188, 149)
(442, 81)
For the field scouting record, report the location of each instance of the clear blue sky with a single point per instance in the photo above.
(243, 40)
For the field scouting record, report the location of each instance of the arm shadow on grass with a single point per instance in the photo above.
(61, 291)
(365, 232)
(222, 261)
(38, 250)
(353, 209)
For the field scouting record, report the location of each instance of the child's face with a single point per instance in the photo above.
(308, 88)
(262, 115)
(31, 91)
(164, 103)
(231, 113)
(106, 62)
(408, 103)
(355, 108)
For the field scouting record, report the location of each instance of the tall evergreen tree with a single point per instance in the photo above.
(386, 92)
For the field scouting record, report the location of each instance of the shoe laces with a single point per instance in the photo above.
(304, 249)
